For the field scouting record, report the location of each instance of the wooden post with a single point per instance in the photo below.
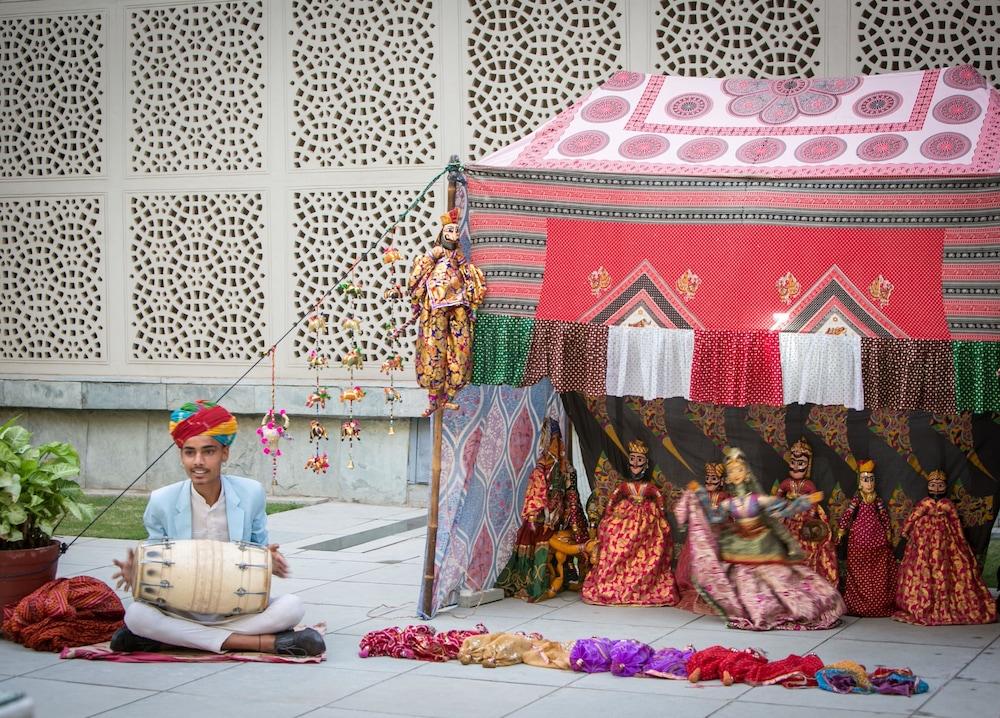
(437, 420)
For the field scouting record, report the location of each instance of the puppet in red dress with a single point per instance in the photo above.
(811, 528)
(865, 531)
(939, 581)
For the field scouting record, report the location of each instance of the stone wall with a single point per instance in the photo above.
(120, 428)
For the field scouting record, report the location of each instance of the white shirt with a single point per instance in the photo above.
(209, 522)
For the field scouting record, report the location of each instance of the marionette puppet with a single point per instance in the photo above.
(866, 539)
(751, 570)
(939, 581)
(810, 528)
(445, 289)
(634, 546)
(714, 488)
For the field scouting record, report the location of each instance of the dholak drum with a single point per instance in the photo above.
(202, 576)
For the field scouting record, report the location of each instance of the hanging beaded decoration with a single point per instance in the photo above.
(353, 359)
(394, 363)
(319, 461)
(273, 427)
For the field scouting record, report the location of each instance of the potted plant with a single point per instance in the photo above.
(36, 491)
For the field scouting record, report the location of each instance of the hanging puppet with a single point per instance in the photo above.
(634, 545)
(445, 290)
(810, 528)
(939, 581)
(866, 534)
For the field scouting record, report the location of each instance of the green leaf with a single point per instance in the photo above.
(74, 508)
(59, 471)
(64, 451)
(16, 436)
(12, 489)
(8, 458)
(10, 533)
(16, 514)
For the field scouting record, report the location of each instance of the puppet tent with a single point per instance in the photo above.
(704, 262)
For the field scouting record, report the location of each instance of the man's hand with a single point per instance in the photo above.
(126, 570)
(279, 564)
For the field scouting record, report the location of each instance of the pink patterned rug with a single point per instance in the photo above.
(102, 652)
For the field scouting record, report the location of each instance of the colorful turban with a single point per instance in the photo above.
(202, 418)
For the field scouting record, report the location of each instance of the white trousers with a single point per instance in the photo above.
(281, 614)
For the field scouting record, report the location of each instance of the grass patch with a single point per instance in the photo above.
(124, 519)
(992, 563)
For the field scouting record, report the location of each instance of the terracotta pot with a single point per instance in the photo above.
(23, 570)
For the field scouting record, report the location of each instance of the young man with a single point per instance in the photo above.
(211, 505)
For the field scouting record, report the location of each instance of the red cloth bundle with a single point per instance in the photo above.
(748, 666)
(64, 613)
(421, 643)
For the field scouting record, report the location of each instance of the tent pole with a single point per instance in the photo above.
(432, 514)
(437, 421)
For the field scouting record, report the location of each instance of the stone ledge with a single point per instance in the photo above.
(159, 395)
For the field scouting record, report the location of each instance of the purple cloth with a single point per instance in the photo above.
(629, 657)
(669, 663)
(591, 655)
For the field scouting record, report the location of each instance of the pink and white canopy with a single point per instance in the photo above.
(933, 122)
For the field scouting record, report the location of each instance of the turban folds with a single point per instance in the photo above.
(202, 418)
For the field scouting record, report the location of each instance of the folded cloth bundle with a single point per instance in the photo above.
(66, 612)
(851, 677)
(495, 649)
(422, 643)
(548, 654)
(669, 663)
(749, 666)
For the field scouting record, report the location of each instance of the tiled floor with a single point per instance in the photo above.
(375, 585)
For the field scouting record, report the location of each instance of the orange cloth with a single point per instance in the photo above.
(939, 582)
(74, 611)
(635, 550)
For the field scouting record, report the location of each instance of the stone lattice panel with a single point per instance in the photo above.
(363, 82)
(331, 230)
(52, 113)
(52, 284)
(529, 59)
(196, 276)
(894, 35)
(756, 38)
(196, 88)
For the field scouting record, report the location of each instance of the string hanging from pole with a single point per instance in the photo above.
(273, 427)
(453, 167)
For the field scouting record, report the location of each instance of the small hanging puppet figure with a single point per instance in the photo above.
(810, 528)
(939, 581)
(445, 289)
(634, 545)
(865, 533)
(715, 488)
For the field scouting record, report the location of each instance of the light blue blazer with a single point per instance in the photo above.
(168, 513)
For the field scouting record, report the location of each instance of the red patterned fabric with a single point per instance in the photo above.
(870, 586)
(63, 613)
(635, 549)
(420, 642)
(749, 666)
(939, 578)
(573, 356)
(736, 368)
(744, 276)
(908, 374)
